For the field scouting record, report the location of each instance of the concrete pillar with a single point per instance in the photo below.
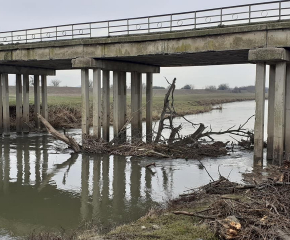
(1, 104)
(6, 115)
(119, 108)
(44, 109)
(260, 108)
(36, 101)
(85, 101)
(18, 103)
(287, 115)
(97, 102)
(106, 105)
(149, 99)
(25, 116)
(136, 104)
(271, 100)
(279, 111)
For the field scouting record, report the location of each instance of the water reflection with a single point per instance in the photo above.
(44, 191)
(38, 194)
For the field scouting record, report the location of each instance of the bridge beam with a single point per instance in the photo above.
(26, 70)
(269, 55)
(114, 65)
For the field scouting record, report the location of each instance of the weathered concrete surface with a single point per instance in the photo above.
(149, 103)
(136, 106)
(269, 55)
(106, 105)
(25, 103)
(279, 111)
(213, 46)
(26, 70)
(287, 115)
(97, 102)
(260, 110)
(85, 101)
(271, 100)
(18, 103)
(6, 115)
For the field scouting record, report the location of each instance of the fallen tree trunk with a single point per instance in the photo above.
(71, 142)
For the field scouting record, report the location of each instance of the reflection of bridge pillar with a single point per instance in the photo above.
(18, 103)
(85, 187)
(6, 159)
(6, 115)
(19, 161)
(26, 162)
(136, 105)
(105, 189)
(96, 186)
(25, 103)
(37, 161)
(45, 157)
(1, 165)
(135, 180)
(119, 184)
(36, 101)
(97, 102)
(106, 105)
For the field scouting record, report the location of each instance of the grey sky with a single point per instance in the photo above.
(23, 14)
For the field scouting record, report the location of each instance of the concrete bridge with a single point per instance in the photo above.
(256, 33)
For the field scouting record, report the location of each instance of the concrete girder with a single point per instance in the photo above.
(114, 65)
(26, 70)
(269, 55)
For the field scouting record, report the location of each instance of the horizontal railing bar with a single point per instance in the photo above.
(125, 19)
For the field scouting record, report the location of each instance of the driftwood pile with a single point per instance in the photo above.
(258, 211)
(174, 146)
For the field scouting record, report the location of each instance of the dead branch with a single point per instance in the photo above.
(71, 142)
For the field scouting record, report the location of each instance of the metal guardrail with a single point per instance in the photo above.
(241, 14)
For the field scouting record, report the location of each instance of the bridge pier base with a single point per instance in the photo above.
(278, 146)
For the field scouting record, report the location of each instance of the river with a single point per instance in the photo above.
(44, 190)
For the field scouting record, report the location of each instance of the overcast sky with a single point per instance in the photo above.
(23, 14)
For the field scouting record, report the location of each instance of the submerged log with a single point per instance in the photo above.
(71, 142)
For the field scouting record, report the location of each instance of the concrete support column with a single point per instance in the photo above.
(149, 99)
(287, 115)
(18, 103)
(106, 105)
(97, 102)
(136, 104)
(36, 101)
(1, 105)
(119, 108)
(85, 101)
(271, 100)
(260, 108)
(25, 116)
(6, 115)
(44, 109)
(279, 111)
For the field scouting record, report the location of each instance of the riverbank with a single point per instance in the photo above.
(65, 104)
(219, 210)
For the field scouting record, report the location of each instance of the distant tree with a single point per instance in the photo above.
(223, 86)
(236, 90)
(188, 86)
(31, 81)
(210, 88)
(55, 82)
(158, 87)
(90, 83)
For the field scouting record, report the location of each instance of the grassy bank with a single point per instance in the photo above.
(65, 103)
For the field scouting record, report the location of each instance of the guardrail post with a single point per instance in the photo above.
(194, 19)
(149, 25)
(128, 29)
(72, 31)
(280, 10)
(108, 29)
(250, 9)
(56, 33)
(170, 23)
(221, 17)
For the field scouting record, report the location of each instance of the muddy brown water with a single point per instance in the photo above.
(42, 189)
